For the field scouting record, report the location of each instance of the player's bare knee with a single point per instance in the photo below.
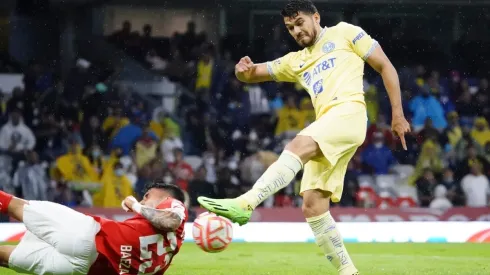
(304, 147)
(315, 203)
(5, 252)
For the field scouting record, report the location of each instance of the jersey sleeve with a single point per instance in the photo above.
(360, 42)
(174, 206)
(280, 69)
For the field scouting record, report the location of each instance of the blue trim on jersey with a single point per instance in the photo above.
(371, 50)
(271, 73)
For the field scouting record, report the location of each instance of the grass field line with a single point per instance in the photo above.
(399, 256)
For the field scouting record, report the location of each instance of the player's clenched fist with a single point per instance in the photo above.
(245, 64)
(130, 204)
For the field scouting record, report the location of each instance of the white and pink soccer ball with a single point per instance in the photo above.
(211, 232)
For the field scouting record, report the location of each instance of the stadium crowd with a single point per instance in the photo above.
(84, 141)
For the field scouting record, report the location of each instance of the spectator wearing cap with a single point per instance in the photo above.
(377, 158)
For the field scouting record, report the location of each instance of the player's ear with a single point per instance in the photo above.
(316, 17)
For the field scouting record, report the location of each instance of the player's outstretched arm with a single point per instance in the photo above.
(381, 63)
(248, 72)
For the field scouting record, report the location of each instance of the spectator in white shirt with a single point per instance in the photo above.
(476, 187)
(15, 136)
(168, 146)
(440, 201)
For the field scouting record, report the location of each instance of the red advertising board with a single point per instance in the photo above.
(341, 214)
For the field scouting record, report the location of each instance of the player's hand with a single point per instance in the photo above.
(244, 65)
(400, 126)
(128, 202)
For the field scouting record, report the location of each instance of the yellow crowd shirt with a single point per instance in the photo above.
(332, 69)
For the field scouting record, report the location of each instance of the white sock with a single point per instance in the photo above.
(276, 177)
(330, 241)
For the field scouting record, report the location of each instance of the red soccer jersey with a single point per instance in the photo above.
(135, 247)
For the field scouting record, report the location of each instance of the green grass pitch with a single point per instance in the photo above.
(300, 259)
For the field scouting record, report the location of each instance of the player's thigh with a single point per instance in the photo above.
(69, 231)
(328, 179)
(339, 130)
(35, 256)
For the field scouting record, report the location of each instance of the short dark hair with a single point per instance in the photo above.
(294, 7)
(173, 189)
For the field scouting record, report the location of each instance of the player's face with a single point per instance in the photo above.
(154, 197)
(303, 28)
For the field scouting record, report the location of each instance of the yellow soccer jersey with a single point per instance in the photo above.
(332, 69)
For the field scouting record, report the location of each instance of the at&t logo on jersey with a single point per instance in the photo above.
(318, 87)
(317, 69)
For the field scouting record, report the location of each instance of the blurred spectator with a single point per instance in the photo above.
(453, 132)
(76, 167)
(113, 123)
(440, 201)
(143, 179)
(145, 149)
(50, 135)
(168, 146)
(181, 170)
(17, 102)
(465, 106)
(15, 136)
(429, 132)
(307, 112)
(31, 179)
(377, 158)
(476, 187)
(127, 136)
(454, 192)
(351, 188)
(480, 132)
(426, 106)
(200, 187)
(289, 119)
(96, 158)
(92, 133)
(115, 187)
(380, 126)
(472, 157)
(465, 142)
(430, 158)
(425, 187)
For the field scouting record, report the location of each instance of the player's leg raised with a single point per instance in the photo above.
(299, 151)
(323, 178)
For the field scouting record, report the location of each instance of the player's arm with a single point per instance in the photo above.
(168, 219)
(370, 51)
(278, 70)
(162, 219)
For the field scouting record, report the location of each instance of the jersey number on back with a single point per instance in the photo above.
(165, 246)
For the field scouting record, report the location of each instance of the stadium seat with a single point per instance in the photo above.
(403, 170)
(365, 180)
(194, 161)
(385, 200)
(385, 182)
(405, 202)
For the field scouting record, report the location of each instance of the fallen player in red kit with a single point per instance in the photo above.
(62, 241)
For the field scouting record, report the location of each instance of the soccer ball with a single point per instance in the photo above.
(211, 232)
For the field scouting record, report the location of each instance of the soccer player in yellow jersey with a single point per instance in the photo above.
(330, 68)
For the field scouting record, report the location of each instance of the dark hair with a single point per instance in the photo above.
(173, 189)
(294, 7)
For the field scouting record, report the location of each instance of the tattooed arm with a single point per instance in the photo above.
(168, 219)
